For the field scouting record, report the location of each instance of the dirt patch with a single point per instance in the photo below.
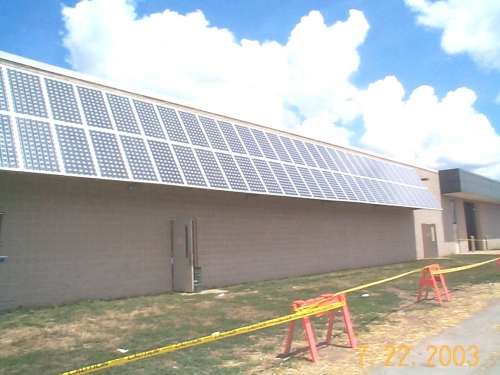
(404, 327)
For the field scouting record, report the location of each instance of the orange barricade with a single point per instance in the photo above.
(498, 264)
(429, 279)
(326, 299)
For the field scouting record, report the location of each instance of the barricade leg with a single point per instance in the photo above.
(331, 319)
(423, 283)
(289, 337)
(436, 289)
(310, 339)
(420, 289)
(348, 323)
(445, 288)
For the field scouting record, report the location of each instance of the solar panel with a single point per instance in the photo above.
(248, 170)
(327, 158)
(386, 187)
(316, 156)
(94, 108)
(297, 180)
(213, 133)
(231, 137)
(37, 145)
(303, 152)
(385, 171)
(231, 171)
(310, 182)
(7, 149)
(400, 171)
(345, 159)
(193, 128)
(323, 184)
(149, 119)
(365, 167)
(211, 168)
(278, 147)
(75, 151)
(372, 167)
(375, 194)
(363, 186)
(248, 140)
(394, 173)
(357, 167)
(351, 181)
(349, 192)
(108, 154)
(123, 114)
(4, 105)
(138, 158)
(189, 166)
(336, 158)
(394, 192)
(165, 163)
(405, 199)
(283, 179)
(391, 172)
(27, 93)
(264, 144)
(385, 195)
(405, 176)
(62, 101)
(410, 195)
(292, 151)
(98, 132)
(267, 176)
(172, 124)
(335, 185)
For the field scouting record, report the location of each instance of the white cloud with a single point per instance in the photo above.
(184, 57)
(441, 134)
(469, 26)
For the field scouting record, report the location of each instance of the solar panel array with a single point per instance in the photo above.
(53, 124)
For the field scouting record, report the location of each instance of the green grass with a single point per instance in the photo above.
(59, 339)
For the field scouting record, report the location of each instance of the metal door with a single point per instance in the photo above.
(430, 241)
(183, 255)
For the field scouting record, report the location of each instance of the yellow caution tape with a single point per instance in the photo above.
(361, 287)
(462, 268)
(379, 281)
(299, 313)
(213, 337)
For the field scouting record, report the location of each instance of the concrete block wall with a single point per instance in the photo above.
(70, 239)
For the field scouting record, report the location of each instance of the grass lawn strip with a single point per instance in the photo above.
(54, 340)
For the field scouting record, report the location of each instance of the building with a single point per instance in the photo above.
(107, 192)
(471, 211)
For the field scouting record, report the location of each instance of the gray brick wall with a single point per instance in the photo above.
(72, 238)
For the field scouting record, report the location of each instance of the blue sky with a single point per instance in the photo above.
(412, 79)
